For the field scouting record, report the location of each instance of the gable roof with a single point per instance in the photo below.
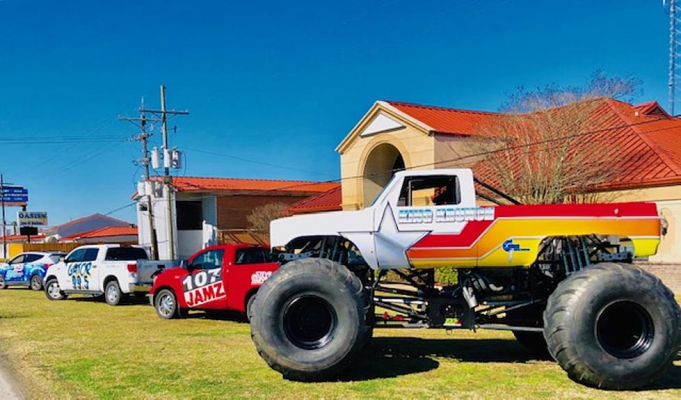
(328, 201)
(84, 224)
(639, 144)
(445, 120)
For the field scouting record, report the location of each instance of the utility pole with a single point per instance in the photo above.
(4, 231)
(672, 55)
(143, 137)
(167, 179)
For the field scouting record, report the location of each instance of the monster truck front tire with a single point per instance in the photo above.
(613, 326)
(312, 319)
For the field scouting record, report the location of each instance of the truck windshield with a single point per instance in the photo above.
(126, 254)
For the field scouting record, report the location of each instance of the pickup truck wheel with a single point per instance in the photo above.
(166, 305)
(53, 291)
(613, 326)
(36, 283)
(112, 293)
(311, 319)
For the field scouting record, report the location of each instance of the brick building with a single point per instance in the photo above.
(212, 210)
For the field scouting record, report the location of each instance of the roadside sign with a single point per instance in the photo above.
(14, 198)
(32, 218)
(14, 190)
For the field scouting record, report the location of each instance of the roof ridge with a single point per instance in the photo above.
(442, 108)
(660, 152)
(249, 179)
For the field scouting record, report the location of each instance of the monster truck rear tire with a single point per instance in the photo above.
(312, 319)
(613, 326)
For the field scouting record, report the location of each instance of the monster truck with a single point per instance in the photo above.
(560, 277)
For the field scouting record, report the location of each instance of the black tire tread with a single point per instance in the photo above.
(350, 281)
(567, 292)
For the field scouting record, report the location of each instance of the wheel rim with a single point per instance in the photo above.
(112, 294)
(166, 305)
(625, 329)
(309, 322)
(35, 283)
(53, 289)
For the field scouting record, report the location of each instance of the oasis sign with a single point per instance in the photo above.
(32, 218)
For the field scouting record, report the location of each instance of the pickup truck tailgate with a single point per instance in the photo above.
(146, 269)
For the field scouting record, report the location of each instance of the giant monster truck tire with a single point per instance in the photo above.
(311, 320)
(613, 326)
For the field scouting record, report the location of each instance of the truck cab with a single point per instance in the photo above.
(223, 277)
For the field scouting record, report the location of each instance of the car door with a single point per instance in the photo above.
(15, 272)
(31, 264)
(73, 271)
(424, 204)
(203, 288)
(90, 270)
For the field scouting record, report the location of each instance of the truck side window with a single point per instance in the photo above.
(211, 259)
(253, 255)
(90, 254)
(429, 191)
(75, 256)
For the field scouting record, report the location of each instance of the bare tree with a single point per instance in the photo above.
(542, 149)
(259, 219)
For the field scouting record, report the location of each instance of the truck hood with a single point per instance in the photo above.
(283, 230)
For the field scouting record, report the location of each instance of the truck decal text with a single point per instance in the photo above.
(259, 277)
(203, 287)
(80, 275)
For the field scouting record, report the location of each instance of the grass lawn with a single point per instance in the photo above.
(82, 348)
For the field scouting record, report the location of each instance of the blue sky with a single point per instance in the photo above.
(279, 82)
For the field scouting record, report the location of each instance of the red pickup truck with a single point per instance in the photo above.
(224, 277)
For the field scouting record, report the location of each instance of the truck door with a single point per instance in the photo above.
(71, 263)
(251, 267)
(90, 270)
(203, 288)
(424, 204)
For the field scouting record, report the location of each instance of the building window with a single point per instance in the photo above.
(189, 215)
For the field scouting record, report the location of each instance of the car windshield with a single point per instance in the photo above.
(126, 254)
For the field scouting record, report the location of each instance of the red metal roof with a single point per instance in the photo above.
(328, 201)
(109, 231)
(198, 184)
(642, 143)
(11, 238)
(447, 120)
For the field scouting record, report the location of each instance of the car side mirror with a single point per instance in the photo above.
(62, 258)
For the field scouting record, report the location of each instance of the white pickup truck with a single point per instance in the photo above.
(111, 270)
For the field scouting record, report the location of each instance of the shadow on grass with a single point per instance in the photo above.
(128, 301)
(218, 315)
(389, 357)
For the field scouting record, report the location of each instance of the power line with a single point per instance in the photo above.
(248, 160)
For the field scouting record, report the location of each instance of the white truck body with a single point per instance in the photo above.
(380, 230)
(87, 269)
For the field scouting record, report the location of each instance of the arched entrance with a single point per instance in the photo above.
(383, 161)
